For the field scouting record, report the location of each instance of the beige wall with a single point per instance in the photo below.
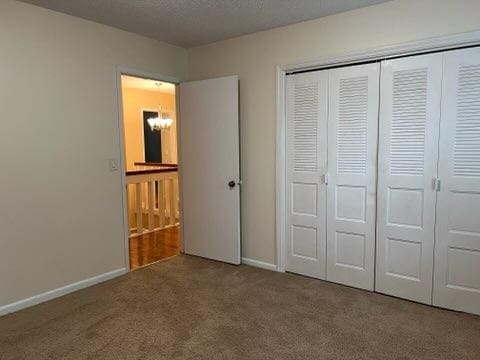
(254, 57)
(134, 102)
(58, 124)
(61, 214)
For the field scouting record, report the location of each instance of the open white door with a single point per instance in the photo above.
(210, 171)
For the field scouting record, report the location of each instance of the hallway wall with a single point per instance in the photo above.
(134, 101)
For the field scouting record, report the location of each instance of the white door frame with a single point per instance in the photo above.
(373, 54)
(153, 76)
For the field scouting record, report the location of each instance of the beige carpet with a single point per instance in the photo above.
(190, 308)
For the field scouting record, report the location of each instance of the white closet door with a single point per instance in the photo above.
(306, 163)
(457, 248)
(408, 155)
(352, 154)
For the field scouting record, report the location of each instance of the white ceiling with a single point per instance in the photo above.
(147, 84)
(190, 23)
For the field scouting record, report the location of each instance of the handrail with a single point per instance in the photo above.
(154, 164)
(150, 171)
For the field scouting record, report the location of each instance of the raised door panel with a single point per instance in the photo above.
(408, 154)
(352, 154)
(306, 166)
(457, 250)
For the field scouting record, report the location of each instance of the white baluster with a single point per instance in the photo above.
(175, 198)
(161, 203)
(172, 201)
(139, 210)
(151, 205)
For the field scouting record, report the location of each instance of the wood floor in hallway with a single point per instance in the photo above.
(158, 245)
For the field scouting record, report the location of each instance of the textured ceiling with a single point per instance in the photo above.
(190, 23)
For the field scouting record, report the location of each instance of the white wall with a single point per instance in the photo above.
(254, 57)
(61, 217)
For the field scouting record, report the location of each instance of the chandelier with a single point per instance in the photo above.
(160, 122)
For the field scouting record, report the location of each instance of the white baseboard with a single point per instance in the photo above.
(55, 293)
(259, 264)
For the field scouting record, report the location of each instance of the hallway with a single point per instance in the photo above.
(155, 246)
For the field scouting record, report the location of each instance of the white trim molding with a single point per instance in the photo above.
(440, 43)
(259, 264)
(61, 291)
(280, 170)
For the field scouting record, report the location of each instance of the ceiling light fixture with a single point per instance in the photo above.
(162, 121)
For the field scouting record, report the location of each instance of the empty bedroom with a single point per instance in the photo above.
(247, 179)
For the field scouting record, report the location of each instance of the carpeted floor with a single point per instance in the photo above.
(191, 308)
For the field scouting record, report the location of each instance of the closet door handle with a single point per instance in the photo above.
(325, 179)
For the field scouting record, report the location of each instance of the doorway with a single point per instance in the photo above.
(151, 169)
(189, 201)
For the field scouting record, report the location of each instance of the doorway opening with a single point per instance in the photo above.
(151, 169)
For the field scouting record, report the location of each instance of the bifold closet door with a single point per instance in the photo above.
(407, 170)
(306, 166)
(457, 248)
(352, 167)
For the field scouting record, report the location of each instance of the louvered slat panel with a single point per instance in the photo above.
(305, 127)
(467, 129)
(352, 126)
(409, 110)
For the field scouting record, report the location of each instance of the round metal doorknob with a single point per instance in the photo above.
(231, 184)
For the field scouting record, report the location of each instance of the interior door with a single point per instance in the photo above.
(352, 167)
(210, 172)
(306, 167)
(457, 249)
(408, 155)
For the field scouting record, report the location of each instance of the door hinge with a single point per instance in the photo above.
(436, 184)
(325, 179)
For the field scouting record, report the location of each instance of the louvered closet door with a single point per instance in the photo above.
(306, 166)
(352, 154)
(408, 154)
(457, 248)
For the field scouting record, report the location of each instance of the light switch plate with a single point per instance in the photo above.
(113, 164)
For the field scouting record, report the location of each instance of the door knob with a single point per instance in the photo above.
(231, 184)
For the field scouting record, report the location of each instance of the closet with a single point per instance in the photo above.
(332, 118)
(409, 225)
